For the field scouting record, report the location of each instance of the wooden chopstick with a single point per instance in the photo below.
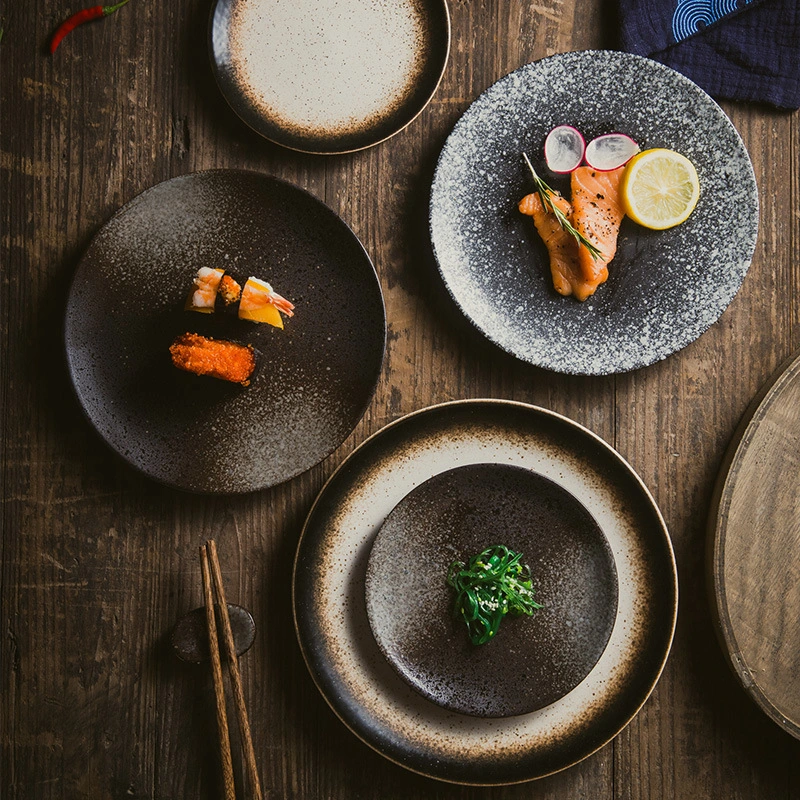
(236, 677)
(219, 689)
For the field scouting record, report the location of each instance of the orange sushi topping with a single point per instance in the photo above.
(216, 358)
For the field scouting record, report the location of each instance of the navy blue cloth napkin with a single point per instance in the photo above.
(735, 49)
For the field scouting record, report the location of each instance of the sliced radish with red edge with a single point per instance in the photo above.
(610, 151)
(563, 149)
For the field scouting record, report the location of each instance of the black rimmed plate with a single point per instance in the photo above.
(352, 673)
(314, 379)
(665, 288)
(532, 661)
(328, 76)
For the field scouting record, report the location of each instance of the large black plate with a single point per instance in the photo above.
(350, 669)
(328, 76)
(314, 379)
(665, 288)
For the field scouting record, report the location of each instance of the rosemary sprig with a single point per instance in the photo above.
(490, 585)
(545, 193)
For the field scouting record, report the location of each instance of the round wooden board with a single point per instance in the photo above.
(754, 545)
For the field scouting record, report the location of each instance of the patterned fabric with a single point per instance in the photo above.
(692, 16)
(734, 49)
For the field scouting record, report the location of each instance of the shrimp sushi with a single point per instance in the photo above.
(203, 296)
(260, 303)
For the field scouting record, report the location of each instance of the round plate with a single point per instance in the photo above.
(314, 379)
(368, 694)
(532, 661)
(664, 289)
(754, 538)
(328, 76)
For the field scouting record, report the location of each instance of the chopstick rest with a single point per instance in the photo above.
(190, 634)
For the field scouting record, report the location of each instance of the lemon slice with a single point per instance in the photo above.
(660, 188)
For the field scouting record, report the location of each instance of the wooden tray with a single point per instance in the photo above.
(754, 549)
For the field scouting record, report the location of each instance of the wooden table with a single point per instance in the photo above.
(99, 562)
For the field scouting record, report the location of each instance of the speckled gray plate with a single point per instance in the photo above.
(328, 76)
(350, 669)
(532, 661)
(313, 380)
(665, 288)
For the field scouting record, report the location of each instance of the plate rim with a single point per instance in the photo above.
(608, 450)
(622, 55)
(215, 69)
(65, 322)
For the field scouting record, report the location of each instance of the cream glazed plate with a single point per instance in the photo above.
(665, 288)
(366, 691)
(328, 76)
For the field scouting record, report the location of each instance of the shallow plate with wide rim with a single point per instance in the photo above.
(365, 690)
(665, 288)
(325, 76)
(313, 379)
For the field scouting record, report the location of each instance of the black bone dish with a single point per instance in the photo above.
(532, 661)
(313, 379)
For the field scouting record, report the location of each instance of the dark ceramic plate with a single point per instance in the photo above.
(532, 661)
(314, 379)
(328, 76)
(352, 673)
(665, 288)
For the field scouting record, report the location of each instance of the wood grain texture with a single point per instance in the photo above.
(755, 534)
(97, 563)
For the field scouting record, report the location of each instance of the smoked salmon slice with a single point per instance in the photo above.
(596, 214)
(561, 245)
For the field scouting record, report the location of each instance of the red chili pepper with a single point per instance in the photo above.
(79, 18)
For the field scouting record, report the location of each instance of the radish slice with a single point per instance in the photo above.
(610, 151)
(563, 149)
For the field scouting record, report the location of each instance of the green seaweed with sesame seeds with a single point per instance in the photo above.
(490, 585)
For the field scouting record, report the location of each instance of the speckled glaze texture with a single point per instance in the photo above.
(329, 76)
(313, 380)
(330, 607)
(665, 288)
(532, 661)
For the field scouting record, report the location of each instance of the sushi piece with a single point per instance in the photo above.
(260, 303)
(216, 358)
(597, 213)
(561, 245)
(204, 294)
